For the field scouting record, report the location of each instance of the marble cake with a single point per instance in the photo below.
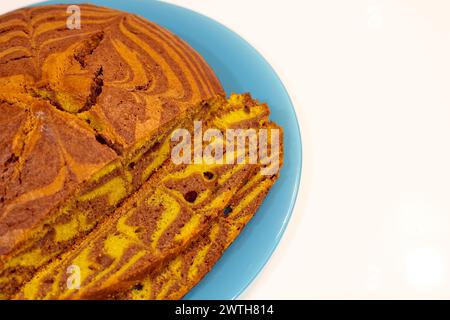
(86, 175)
(83, 114)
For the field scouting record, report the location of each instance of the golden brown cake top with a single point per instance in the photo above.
(123, 74)
(73, 100)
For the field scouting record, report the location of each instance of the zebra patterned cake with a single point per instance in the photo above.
(83, 114)
(87, 176)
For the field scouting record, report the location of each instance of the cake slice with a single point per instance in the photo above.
(171, 209)
(183, 272)
(84, 114)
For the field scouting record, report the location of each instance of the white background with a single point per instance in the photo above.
(370, 80)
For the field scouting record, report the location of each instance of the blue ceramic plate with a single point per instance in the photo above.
(240, 68)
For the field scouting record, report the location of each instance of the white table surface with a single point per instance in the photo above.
(370, 80)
